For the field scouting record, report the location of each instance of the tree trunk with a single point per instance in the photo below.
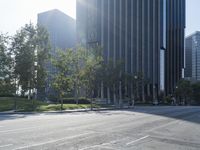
(76, 94)
(15, 104)
(61, 103)
(114, 95)
(108, 95)
(99, 92)
(148, 90)
(91, 101)
(132, 95)
(143, 96)
(102, 91)
(29, 91)
(120, 92)
(155, 100)
(33, 107)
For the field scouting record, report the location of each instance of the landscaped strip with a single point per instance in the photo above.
(25, 105)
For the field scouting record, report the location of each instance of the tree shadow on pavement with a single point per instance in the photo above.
(185, 113)
(12, 116)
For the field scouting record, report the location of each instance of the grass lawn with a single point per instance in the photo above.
(25, 105)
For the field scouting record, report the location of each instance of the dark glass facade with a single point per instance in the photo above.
(175, 43)
(62, 34)
(188, 57)
(192, 52)
(148, 35)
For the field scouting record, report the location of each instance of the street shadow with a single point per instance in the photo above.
(190, 113)
(185, 113)
(10, 116)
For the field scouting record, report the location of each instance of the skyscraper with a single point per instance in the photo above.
(192, 56)
(148, 35)
(62, 33)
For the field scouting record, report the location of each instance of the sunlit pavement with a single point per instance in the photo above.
(144, 128)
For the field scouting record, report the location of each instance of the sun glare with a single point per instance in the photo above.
(20, 12)
(67, 6)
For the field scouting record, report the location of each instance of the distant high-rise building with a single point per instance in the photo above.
(148, 35)
(192, 55)
(62, 32)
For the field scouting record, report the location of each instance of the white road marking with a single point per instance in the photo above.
(103, 144)
(2, 146)
(165, 125)
(107, 147)
(142, 138)
(16, 130)
(94, 146)
(53, 141)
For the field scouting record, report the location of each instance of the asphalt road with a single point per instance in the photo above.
(144, 128)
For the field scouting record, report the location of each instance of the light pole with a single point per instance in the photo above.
(155, 100)
(176, 95)
(136, 90)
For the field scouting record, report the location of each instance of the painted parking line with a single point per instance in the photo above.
(96, 146)
(53, 141)
(103, 145)
(3, 146)
(164, 125)
(142, 138)
(17, 130)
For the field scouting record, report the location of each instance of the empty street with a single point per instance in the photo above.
(143, 128)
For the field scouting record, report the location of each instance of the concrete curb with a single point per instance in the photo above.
(64, 111)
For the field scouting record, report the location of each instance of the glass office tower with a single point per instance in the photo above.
(62, 34)
(148, 35)
(192, 69)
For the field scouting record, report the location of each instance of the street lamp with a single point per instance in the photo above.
(136, 77)
(155, 101)
(176, 94)
(136, 88)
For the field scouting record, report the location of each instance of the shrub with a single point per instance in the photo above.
(81, 100)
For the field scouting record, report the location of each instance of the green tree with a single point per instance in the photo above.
(62, 81)
(112, 76)
(196, 92)
(30, 47)
(90, 73)
(184, 91)
(78, 58)
(42, 57)
(133, 82)
(24, 50)
(7, 86)
(136, 83)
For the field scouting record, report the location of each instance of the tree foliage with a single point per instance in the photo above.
(196, 92)
(62, 81)
(184, 91)
(24, 50)
(77, 69)
(7, 86)
(91, 70)
(30, 47)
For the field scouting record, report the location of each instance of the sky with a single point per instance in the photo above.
(192, 16)
(16, 13)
